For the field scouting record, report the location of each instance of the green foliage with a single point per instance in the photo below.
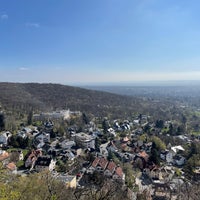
(8, 193)
(194, 149)
(157, 146)
(61, 166)
(178, 172)
(20, 164)
(155, 158)
(37, 123)
(21, 98)
(143, 137)
(19, 142)
(30, 118)
(105, 126)
(129, 175)
(160, 145)
(191, 164)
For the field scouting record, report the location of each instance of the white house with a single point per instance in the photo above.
(84, 140)
(4, 138)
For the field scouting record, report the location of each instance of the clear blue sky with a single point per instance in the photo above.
(88, 41)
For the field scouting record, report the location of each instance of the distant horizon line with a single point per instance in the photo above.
(141, 83)
(120, 83)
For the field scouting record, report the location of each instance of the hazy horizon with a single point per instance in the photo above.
(123, 84)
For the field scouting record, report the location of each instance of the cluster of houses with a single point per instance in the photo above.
(108, 168)
(47, 151)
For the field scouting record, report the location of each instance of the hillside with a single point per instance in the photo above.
(22, 97)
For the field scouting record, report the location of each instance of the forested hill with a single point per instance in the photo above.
(43, 97)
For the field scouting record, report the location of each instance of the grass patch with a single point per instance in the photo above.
(20, 164)
(196, 133)
(24, 151)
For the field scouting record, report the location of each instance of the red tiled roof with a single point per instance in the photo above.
(4, 155)
(11, 166)
(95, 162)
(119, 172)
(144, 155)
(103, 163)
(111, 166)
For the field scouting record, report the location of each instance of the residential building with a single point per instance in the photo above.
(3, 155)
(70, 181)
(45, 163)
(108, 168)
(84, 140)
(4, 138)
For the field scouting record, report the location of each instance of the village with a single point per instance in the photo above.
(141, 154)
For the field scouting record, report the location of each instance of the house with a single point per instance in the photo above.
(4, 138)
(45, 163)
(118, 174)
(99, 164)
(40, 139)
(108, 168)
(141, 160)
(111, 132)
(176, 149)
(30, 161)
(70, 181)
(3, 155)
(63, 114)
(179, 160)
(27, 130)
(67, 144)
(69, 155)
(167, 155)
(85, 141)
(164, 174)
(22, 134)
(111, 147)
(127, 157)
(173, 152)
(12, 167)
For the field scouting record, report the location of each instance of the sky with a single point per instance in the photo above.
(99, 41)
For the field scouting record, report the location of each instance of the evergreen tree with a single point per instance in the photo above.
(30, 118)
(85, 118)
(2, 121)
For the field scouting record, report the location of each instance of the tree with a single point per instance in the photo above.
(129, 175)
(159, 144)
(30, 118)
(180, 130)
(159, 123)
(2, 122)
(101, 188)
(170, 131)
(85, 118)
(155, 158)
(105, 126)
